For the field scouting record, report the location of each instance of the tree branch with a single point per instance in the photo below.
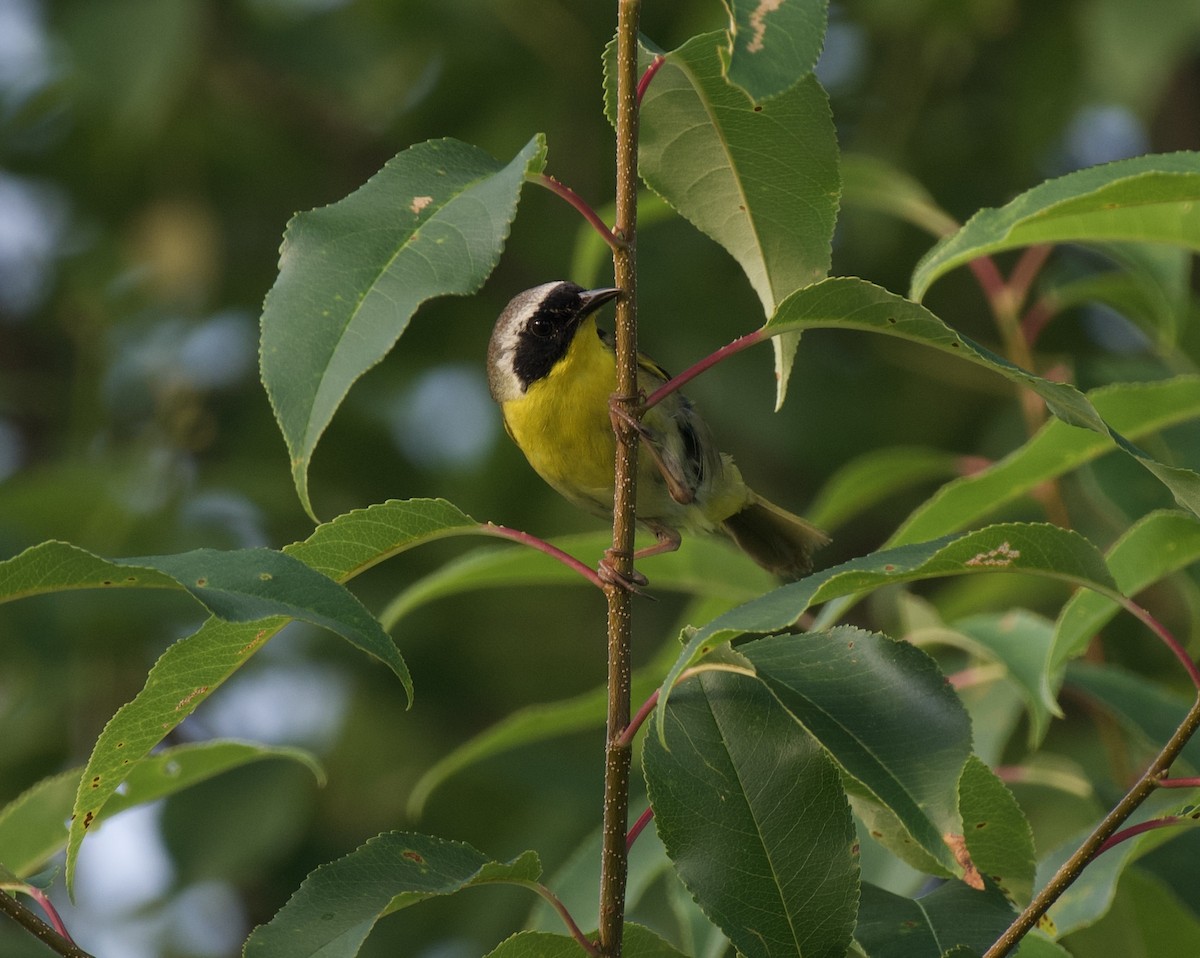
(614, 856)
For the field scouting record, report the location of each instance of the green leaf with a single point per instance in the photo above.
(1133, 409)
(529, 725)
(1155, 546)
(1149, 199)
(1039, 549)
(1090, 896)
(637, 942)
(431, 223)
(1019, 640)
(362, 538)
(760, 180)
(773, 43)
(1145, 919)
(873, 184)
(255, 584)
(194, 667)
(998, 835)
(1093, 893)
(952, 915)
(337, 905)
(1150, 289)
(703, 566)
(1035, 945)
(239, 586)
(1148, 709)
(866, 698)
(753, 816)
(874, 477)
(33, 826)
(850, 303)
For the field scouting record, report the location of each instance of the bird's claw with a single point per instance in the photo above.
(620, 415)
(633, 581)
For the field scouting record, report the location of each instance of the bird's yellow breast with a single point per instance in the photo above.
(562, 424)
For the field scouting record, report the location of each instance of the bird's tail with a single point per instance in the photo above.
(774, 538)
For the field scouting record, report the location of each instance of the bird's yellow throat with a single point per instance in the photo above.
(561, 422)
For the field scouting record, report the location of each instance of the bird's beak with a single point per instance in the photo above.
(593, 299)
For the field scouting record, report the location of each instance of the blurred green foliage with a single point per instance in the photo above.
(151, 152)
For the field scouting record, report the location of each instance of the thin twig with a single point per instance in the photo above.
(1026, 270)
(639, 720)
(556, 903)
(1139, 829)
(639, 826)
(648, 706)
(541, 545)
(744, 342)
(39, 929)
(581, 205)
(1178, 783)
(1071, 869)
(1037, 317)
(644, 82)
(1167, 638)
(1006, 300)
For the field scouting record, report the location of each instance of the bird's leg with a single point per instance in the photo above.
(668, 540)
(679, 488)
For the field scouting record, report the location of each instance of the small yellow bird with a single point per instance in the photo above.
(553, 372)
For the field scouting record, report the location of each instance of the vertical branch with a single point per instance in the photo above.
(614, 854)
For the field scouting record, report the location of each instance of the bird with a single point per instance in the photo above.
(552, 371)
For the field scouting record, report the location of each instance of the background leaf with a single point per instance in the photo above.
(1156, 545)
(1150, 287)
(873, 478)
(1019, 640)
(1145, 917)
(1149, 710)
(431, 223)
(871, 183)
(33, 826)
(737, 791)
(237, 586)
(1134, 409)
(1150, 199)
(703, 565)
(848, 303)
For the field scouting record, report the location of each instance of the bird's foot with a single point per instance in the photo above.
(633, 581)
(622, 411)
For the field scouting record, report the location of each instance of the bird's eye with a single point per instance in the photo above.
(541, 327)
